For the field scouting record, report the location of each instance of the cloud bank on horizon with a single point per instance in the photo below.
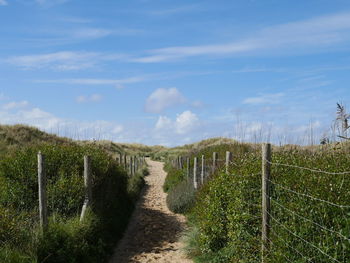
(131, 72)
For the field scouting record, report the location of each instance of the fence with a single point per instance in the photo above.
(316, 231)
(132, 165)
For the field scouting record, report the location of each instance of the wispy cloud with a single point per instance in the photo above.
(63, 60)
(302, 36)
(264, 99)
(90, 81)
(89, 98)
(174, 10)
(15, 105)
(75, 20)
(90, 33)
(49, 3)
(3, 2)
(258, 69)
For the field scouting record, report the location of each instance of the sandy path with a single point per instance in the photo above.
(153, 232)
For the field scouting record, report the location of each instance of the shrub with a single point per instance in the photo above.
(173, 177)
(66, 240)
(180, 198)
(145, 171)
(72, 241)
(135, 185)
(227, 220)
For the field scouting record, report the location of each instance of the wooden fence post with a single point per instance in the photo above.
(228, 160)
(87, 186)
(215, 162)
(120, 159)
(42, 191)
(125, 162)
(202, 171)
(266, 205)
(195, 183)
(188, 167)
(136, 164)
(131, 166)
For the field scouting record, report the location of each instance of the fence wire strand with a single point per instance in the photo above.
(309, 220)
(308, 169)
(302, 239)
(310, 196)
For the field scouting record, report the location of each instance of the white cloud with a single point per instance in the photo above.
(264, 99)
(183, 124)
(162, 99)
(186, 122)
(164, 123)
(3, 2)
(91, 98)
(15, 105)
(313, 34)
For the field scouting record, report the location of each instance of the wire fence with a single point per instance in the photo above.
(308, 215)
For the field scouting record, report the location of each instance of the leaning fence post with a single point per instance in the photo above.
(195, 184)
(87, 186)
(215, 162)
(202, 170)
(266, 205)
(42, 191)
(228, 160)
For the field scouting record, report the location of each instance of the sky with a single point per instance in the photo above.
(175, 72)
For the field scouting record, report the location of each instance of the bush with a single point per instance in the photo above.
(180, 198)
(135, 185)
(173, 178)
(225, 214)
(145, 171)
(227, 220)
(67, 240)
(72, 241)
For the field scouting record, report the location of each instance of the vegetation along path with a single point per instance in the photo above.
(153, 232)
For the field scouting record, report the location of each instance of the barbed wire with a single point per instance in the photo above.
(310, 196)
(308, 169)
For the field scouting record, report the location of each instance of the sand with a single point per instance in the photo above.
(153, 232)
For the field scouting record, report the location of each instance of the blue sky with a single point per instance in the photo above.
(174, 72)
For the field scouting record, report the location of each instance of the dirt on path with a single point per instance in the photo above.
(153, 232)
